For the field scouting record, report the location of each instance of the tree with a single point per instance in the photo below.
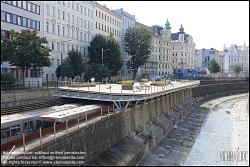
(213, 66)
(98, 71)
(25, 50)
(237, 69)
(73, 65)
(111, 58)
(138, 45)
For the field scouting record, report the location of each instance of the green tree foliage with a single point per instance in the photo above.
(98, 71)
(213, 66)
(237, 69)
(138, 45)
(73, 65)
(111, 58)
(7, 77)
(25, 50)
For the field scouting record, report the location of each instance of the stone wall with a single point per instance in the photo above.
(21, 97)
(150, 121)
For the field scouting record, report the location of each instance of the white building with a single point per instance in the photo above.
(183, 50)
(67, 25)
(20, 15)
(237, 55)
(107, 22)
(128, 20)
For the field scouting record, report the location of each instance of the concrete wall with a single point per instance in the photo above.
(22, 97)
(150, 121)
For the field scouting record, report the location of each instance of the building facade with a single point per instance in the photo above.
(220, 59)
(67, 25)
(206, 55)
(17, 16)
(107, 22)
(128, 20)
(183, 50)
(237, 55)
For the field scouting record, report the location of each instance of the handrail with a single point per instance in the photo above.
(9, 154)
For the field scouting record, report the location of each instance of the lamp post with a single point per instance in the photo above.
(102, 53)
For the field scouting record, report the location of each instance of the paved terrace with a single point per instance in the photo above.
(115, 93)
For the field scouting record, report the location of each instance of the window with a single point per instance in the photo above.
(73, 19)
(47, 26)
(68, 31)
(5, 132)
(73, 5)
(52, 48)
(58, 13)
(63, 31)
(91, 26)
(99, 26)
(3, 14)
(92, 13)
(15, 130)
(85, 11)
(85, 35)
(31, 125)
(53, 28)
(29, 22)
(24, 22)
(19, 22)
(96, 13)
(14, 19)
(81, 22)
(47, 9)
(88, 13)
(24, 4)
(33, 24)
(58, 29)
(58, 46)
(8, 17)
(85, 24)
(53, 11)
(19, 4)
(73, 33)
(29, 6)
(68, 17)
(77, 34)
(77, 7)
(81, 8)
(63, 15)
(37, 25)
(81, 36)
(88, 25)
(77, 21)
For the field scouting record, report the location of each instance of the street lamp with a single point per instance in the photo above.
(102, 53)
(62, 49)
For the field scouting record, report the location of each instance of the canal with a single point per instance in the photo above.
(223, 137)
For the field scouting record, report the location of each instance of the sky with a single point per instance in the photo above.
(211, 24)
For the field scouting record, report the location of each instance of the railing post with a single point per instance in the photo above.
(110, 89)
(108, 110)
(86, 117)
(67, 128)
(54, 131)
(99, 88)
(101, 113)
(78, 121)
(23, 142)
(40, 130)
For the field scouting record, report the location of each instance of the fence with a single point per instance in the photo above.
(9, 85)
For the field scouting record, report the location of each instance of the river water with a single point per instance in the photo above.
(223, 139)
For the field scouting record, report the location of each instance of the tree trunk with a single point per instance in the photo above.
(134, 74)
(23, 70)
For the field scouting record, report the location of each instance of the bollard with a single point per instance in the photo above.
(40, 130)
(54, 131)
(23, 142)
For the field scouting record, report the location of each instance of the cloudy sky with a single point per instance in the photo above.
(212, 24)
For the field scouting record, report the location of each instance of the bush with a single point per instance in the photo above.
(127, 83)
(7, 77)
(160, 83)
(144, 80)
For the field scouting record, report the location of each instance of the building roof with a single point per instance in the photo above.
(175, 36)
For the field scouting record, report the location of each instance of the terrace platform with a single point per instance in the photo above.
(121, 98)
